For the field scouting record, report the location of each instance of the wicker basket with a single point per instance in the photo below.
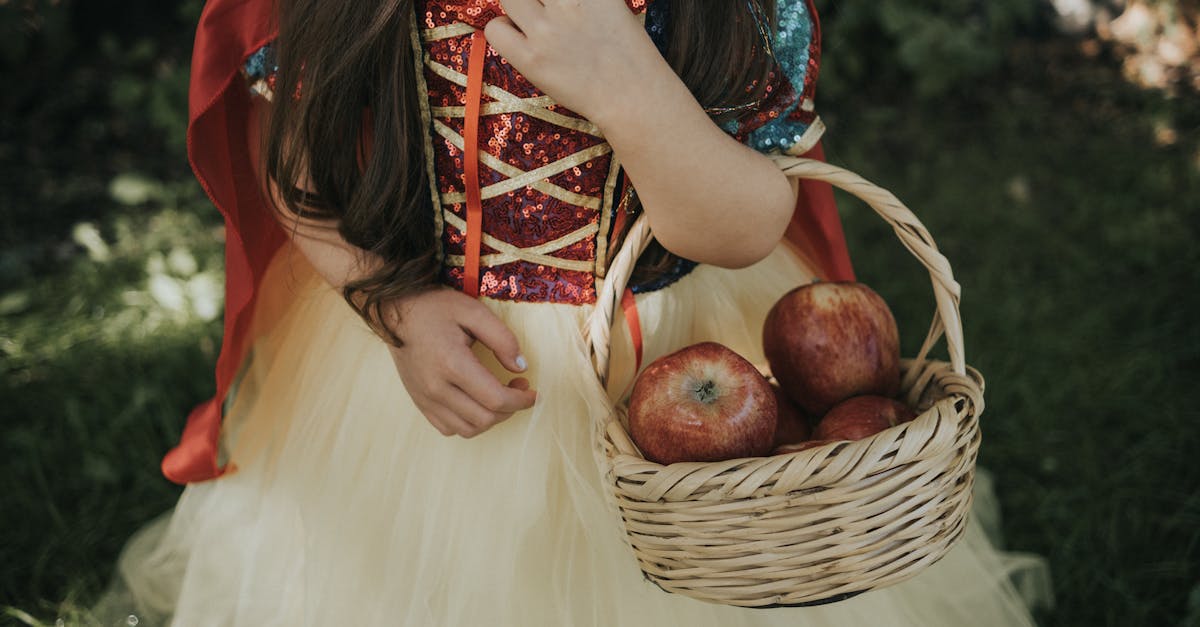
(823, 524)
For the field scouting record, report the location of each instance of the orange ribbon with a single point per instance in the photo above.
(629, 306)
(471, 163)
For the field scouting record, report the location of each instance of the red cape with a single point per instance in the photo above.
(219, 107)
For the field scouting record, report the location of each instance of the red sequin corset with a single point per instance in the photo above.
(547, 178)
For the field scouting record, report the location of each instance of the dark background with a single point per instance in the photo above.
(1054, 155)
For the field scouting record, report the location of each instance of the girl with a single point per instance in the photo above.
(412, 446)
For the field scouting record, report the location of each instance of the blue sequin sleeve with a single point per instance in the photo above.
(787, 121)
(260, 70)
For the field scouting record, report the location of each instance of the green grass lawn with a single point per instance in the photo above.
(1068, 202)
(1073, 229)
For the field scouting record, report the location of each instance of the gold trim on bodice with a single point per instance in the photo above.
(542, 108)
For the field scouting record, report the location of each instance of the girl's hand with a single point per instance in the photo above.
(457, 394)
(588, 55)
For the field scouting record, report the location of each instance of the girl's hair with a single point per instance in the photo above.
(355, 63)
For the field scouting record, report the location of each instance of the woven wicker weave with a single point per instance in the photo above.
(822, 524)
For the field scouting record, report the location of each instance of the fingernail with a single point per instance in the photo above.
(521, 362)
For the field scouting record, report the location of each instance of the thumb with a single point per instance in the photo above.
(485, 326)
(522, 384)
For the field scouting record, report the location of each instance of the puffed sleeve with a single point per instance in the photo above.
(786, 121)
(260, 70)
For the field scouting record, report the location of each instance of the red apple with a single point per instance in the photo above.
(702, 403)
(800, 446)
(828, 341)
(791, 426)
(862, 417)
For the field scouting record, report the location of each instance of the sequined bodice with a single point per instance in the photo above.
(547, 176)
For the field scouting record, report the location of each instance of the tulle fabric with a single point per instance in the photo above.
(348, 508)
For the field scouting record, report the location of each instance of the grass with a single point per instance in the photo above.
(1069, 216)
(101, 363)
(1073, 229)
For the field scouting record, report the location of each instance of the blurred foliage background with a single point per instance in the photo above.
(1052, 147)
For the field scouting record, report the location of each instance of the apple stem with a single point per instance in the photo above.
(707, 392)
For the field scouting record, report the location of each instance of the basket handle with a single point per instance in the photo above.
(947, 292)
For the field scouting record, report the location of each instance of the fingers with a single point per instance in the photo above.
(480, 418)
(465, 399)
(453, 412)
(481, 385)
(506, 38)
(483, 325)
(446, 422)
(523, 12)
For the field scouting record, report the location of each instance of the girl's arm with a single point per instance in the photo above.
(708, 197)
(444, 378)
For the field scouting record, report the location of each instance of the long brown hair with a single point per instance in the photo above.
(356, 68)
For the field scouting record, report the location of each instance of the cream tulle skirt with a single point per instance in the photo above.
(348, 508)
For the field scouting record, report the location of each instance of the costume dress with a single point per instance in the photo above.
(319, 495)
